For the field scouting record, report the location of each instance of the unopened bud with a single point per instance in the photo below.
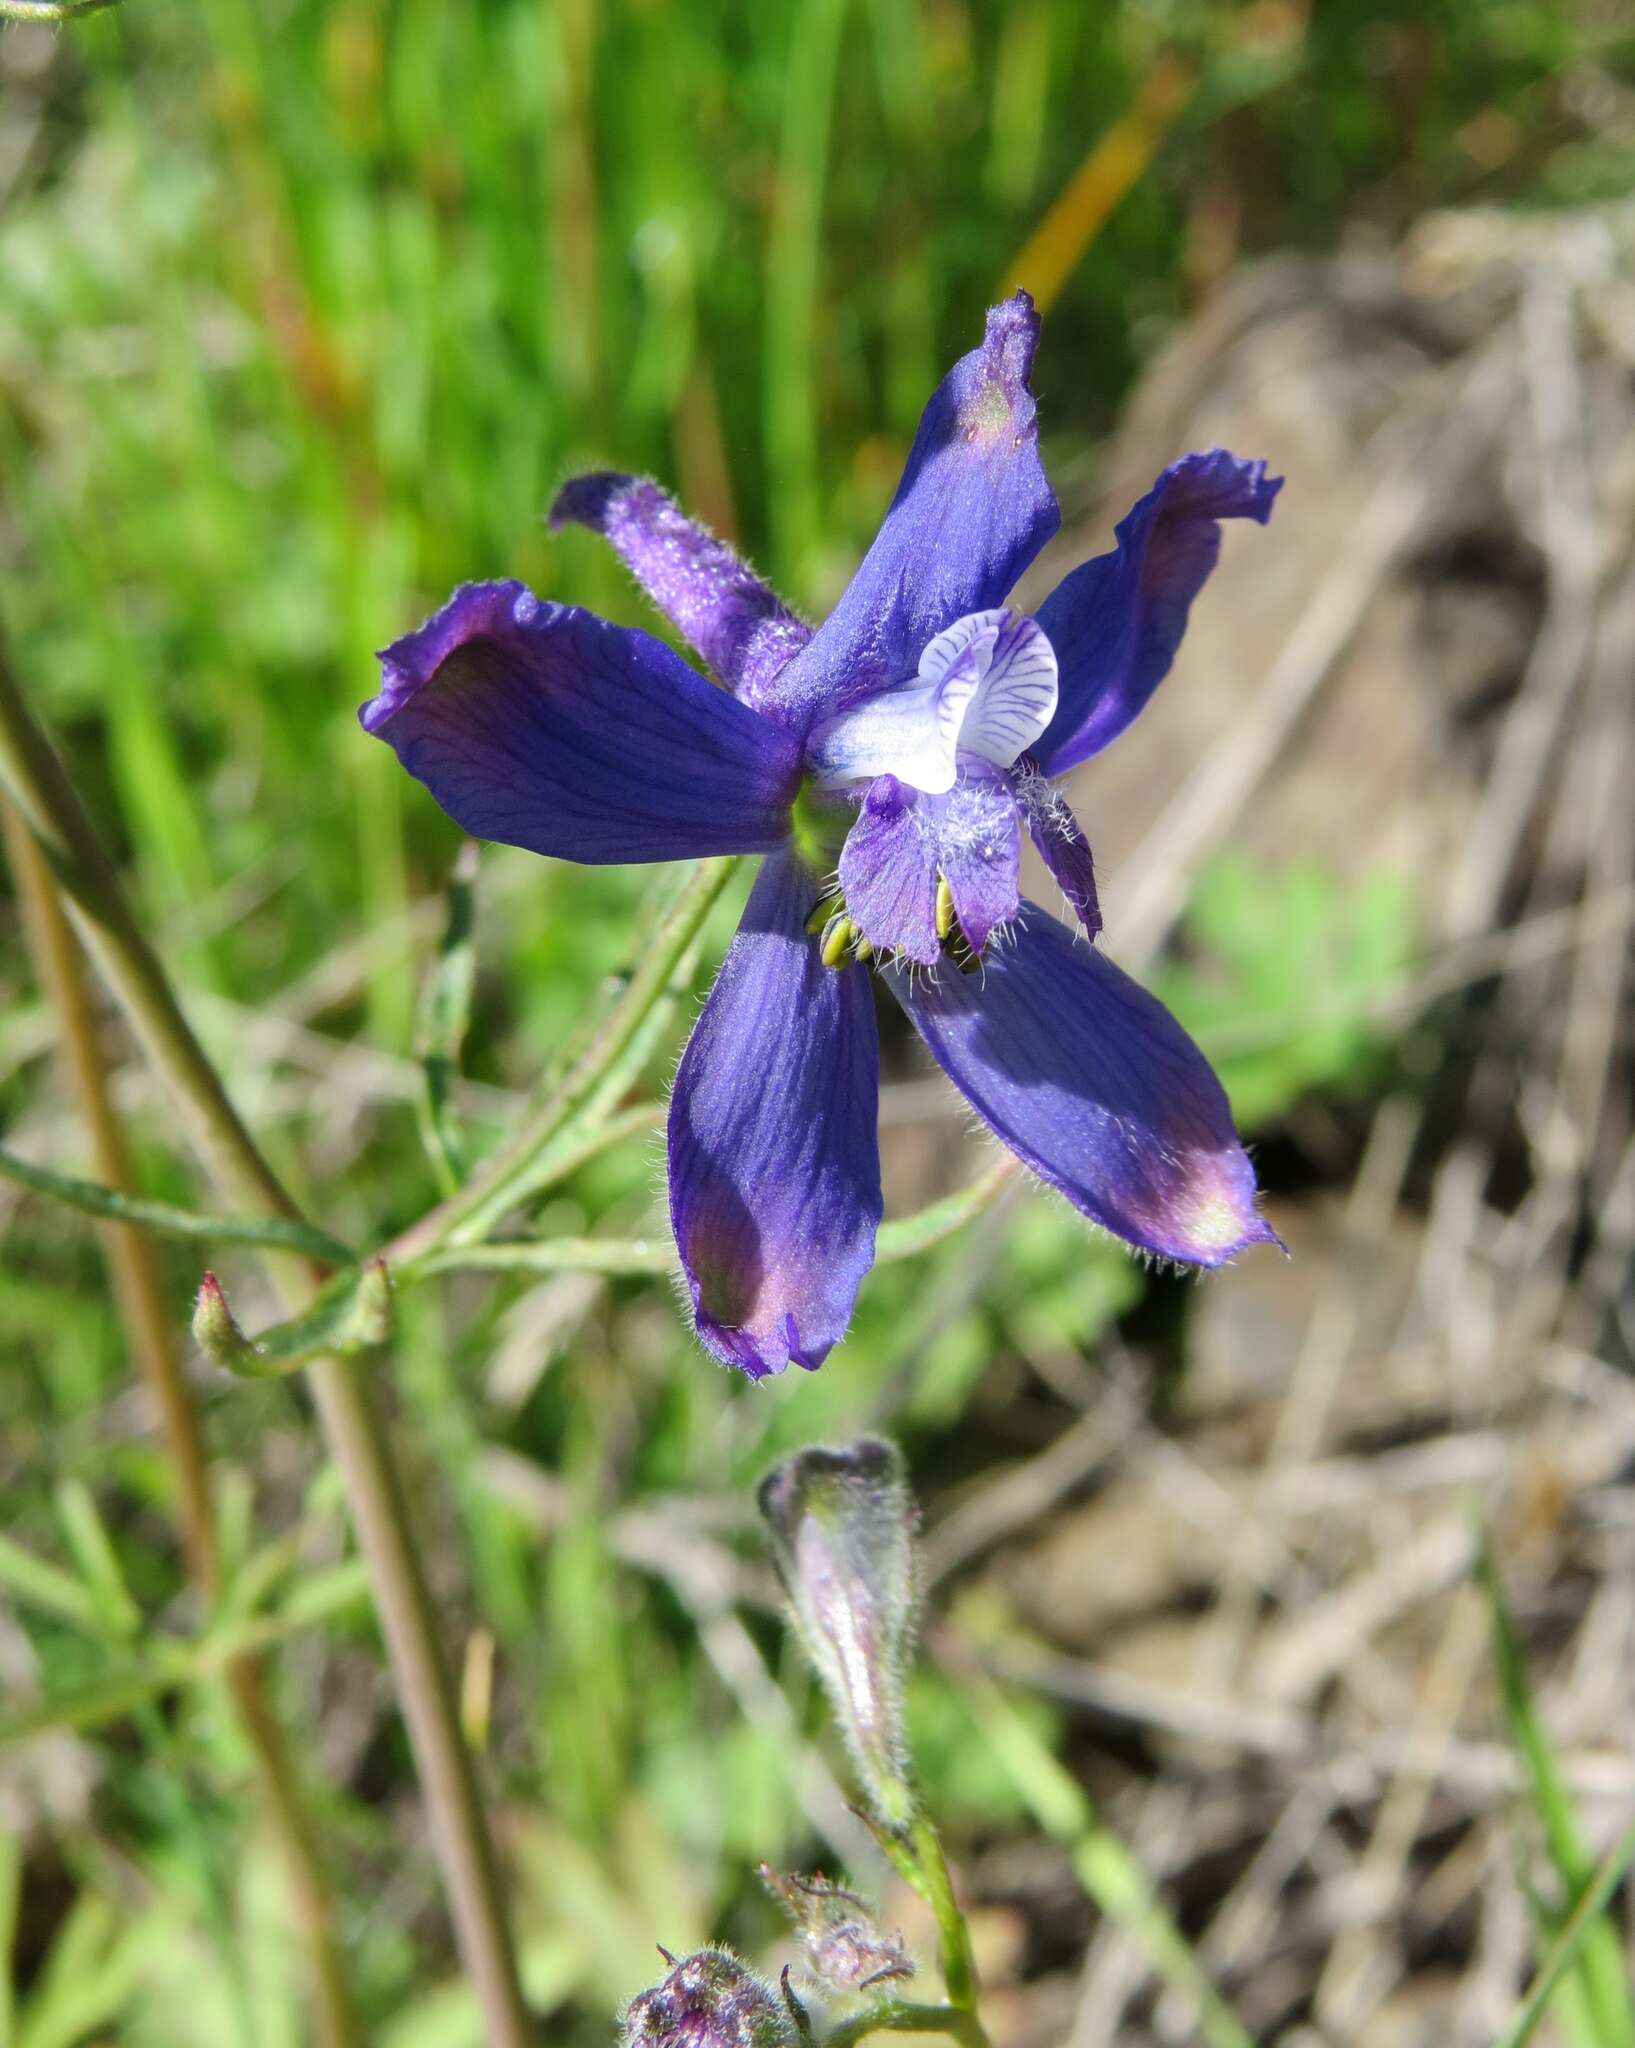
(842, 1538)
(215, 1332)
(843, 1947)
(709, 2000)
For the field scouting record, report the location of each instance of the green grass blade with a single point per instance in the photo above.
(793, 262)
(1584, 1918)
(1598, 1968)
(1108, 1873)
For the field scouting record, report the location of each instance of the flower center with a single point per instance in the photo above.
(985, 688)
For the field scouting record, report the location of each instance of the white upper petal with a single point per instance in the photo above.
(987, 686)
(1016, 699)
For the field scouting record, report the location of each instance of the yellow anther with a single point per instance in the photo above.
(837, 937)
(945, 907)
(862, 950)
(828, 907)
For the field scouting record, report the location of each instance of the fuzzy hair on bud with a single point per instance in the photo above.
(709, 2000)
(841, 1524)
(839, 1937)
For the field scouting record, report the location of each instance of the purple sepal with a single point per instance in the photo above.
(543, 726)
(971, 512)
(1116, 622)
(774, 1159)
(1061, 842)
(904, 839)
(1093, 1084)
(720, 607)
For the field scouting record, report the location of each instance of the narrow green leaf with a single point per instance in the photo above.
(1105, 1868)
(270, 1233)
(93, 1550)
(45, 1586)
(161, 1665)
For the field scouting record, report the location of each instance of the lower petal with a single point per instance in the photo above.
(888, 872)
(1093, 1084)
(774, 1154)
(905, 841)
(979, 849)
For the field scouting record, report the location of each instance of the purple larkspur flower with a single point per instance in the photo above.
(887, 764)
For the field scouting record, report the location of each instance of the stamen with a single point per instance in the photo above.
(945, 907)
(829, 908)
(838, 935)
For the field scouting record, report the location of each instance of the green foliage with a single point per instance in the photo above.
(1281, 969)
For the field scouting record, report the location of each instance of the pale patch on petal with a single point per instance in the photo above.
(912, 732)
(986, 689)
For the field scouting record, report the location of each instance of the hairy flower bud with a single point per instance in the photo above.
(215, 1332)
(841, 1523)
(709, 2000)
(843, 1947)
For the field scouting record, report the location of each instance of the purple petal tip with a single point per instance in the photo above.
(585, 500)
(757, 1358)
(1012, 336)
(411, 661)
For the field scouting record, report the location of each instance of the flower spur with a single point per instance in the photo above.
(915, 734)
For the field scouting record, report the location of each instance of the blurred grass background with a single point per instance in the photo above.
(304, 311)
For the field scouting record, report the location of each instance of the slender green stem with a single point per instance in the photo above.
(568, 1152)
(114, 1205)
(897, 2016)
(958, 1964)
(352, 1427)
(545, 1255)
(904, 1237)
(496, 1182)
(149, 1327)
